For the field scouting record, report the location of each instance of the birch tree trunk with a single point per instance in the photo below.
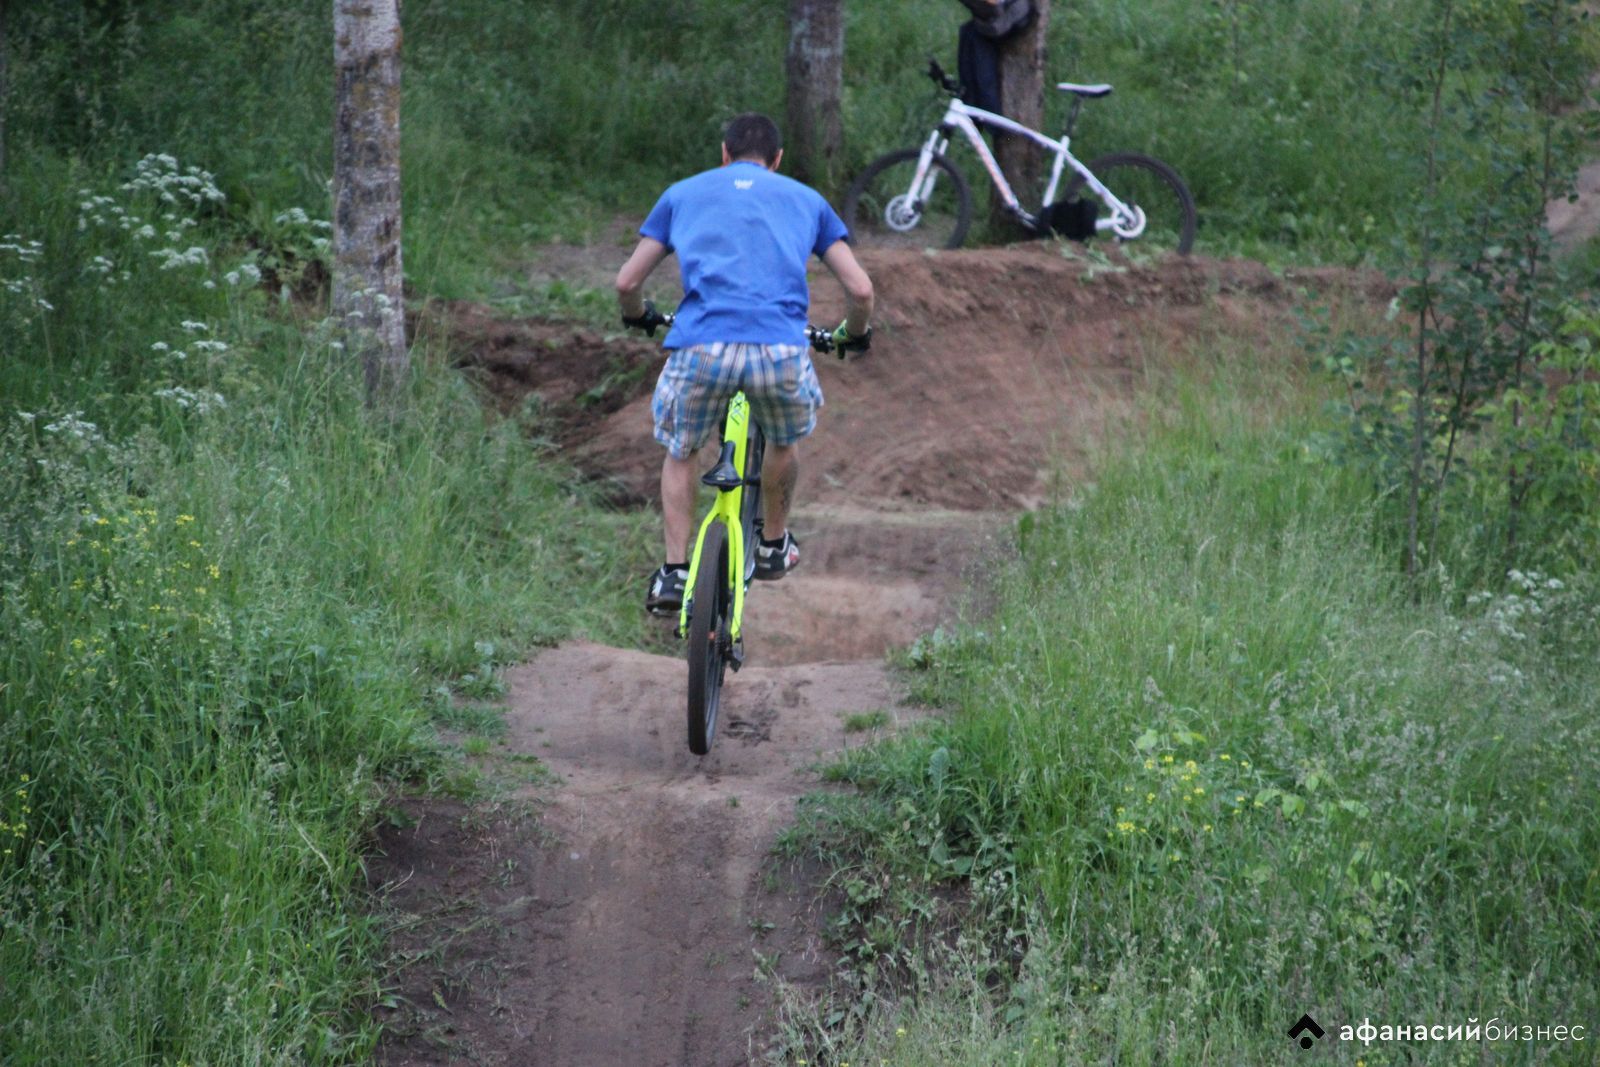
(367, 295)
(814, 68)
(1022, 60)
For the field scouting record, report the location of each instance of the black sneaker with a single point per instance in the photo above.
(666, 590)
(774, 560)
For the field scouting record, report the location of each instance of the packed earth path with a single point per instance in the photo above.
(630, 913)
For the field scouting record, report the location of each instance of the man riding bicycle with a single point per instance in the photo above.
(743, 235)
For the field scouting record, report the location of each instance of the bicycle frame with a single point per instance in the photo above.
(729, 508)
(1125, 221)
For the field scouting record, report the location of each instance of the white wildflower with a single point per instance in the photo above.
(74, 425)
(191, 257)
(201, 402)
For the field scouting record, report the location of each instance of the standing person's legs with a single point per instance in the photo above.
(978, 69)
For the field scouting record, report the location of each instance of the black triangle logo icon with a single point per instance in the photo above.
(1308, 1027)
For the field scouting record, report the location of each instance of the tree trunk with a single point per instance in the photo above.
(367, 295)
(814, 67)
(1022, 65)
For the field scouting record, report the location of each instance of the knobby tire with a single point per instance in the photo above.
(708, 638)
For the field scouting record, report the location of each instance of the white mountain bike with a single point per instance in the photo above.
(917, 198)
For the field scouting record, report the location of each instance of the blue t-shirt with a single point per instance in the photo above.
(743, 236)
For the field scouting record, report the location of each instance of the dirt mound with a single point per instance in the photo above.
(987, 366)
(637, 919)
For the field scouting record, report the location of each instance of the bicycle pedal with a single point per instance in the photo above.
(736, 655)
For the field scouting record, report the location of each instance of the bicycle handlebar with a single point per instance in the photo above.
(941, 79)
(819, 339)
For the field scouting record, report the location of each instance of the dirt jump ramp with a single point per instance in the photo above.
(632, 918)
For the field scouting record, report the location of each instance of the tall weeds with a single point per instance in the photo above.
(234, 604)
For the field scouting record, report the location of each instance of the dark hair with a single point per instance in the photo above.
(752, 136)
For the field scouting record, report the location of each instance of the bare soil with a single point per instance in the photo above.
(627, 911)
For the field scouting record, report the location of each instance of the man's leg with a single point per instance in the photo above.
(780, 468)
(677, 505)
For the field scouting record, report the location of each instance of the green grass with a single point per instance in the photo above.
(237, 606)
(237, 609)
(1206, 769)
(1297, 126)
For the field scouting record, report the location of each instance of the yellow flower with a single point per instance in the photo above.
(1199, 791)
(1224, 756)
(1166, 759)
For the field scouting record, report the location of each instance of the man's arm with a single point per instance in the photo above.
(857, 286)
(647, 255)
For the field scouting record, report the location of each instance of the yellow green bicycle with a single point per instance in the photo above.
(723, 562)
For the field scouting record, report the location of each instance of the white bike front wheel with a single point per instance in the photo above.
(888, 207)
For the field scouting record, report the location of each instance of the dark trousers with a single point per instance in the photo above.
(978, 68)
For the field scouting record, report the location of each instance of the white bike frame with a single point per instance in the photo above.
(1125, 221)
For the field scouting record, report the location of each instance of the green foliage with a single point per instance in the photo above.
(230, 597)
(1206, 769)
(517, 128)
(1437, 403)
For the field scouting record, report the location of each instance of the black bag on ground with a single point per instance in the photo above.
(1072, 219)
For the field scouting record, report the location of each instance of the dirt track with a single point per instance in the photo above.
(626, 924)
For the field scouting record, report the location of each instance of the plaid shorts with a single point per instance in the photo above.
(695, 385)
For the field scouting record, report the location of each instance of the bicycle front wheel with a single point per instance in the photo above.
(1153, 187)
(709, 641)
(885, 209)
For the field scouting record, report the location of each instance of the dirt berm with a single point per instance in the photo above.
(633, 919)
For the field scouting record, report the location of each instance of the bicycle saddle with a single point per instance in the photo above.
(723, 476)
(1101, 89)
